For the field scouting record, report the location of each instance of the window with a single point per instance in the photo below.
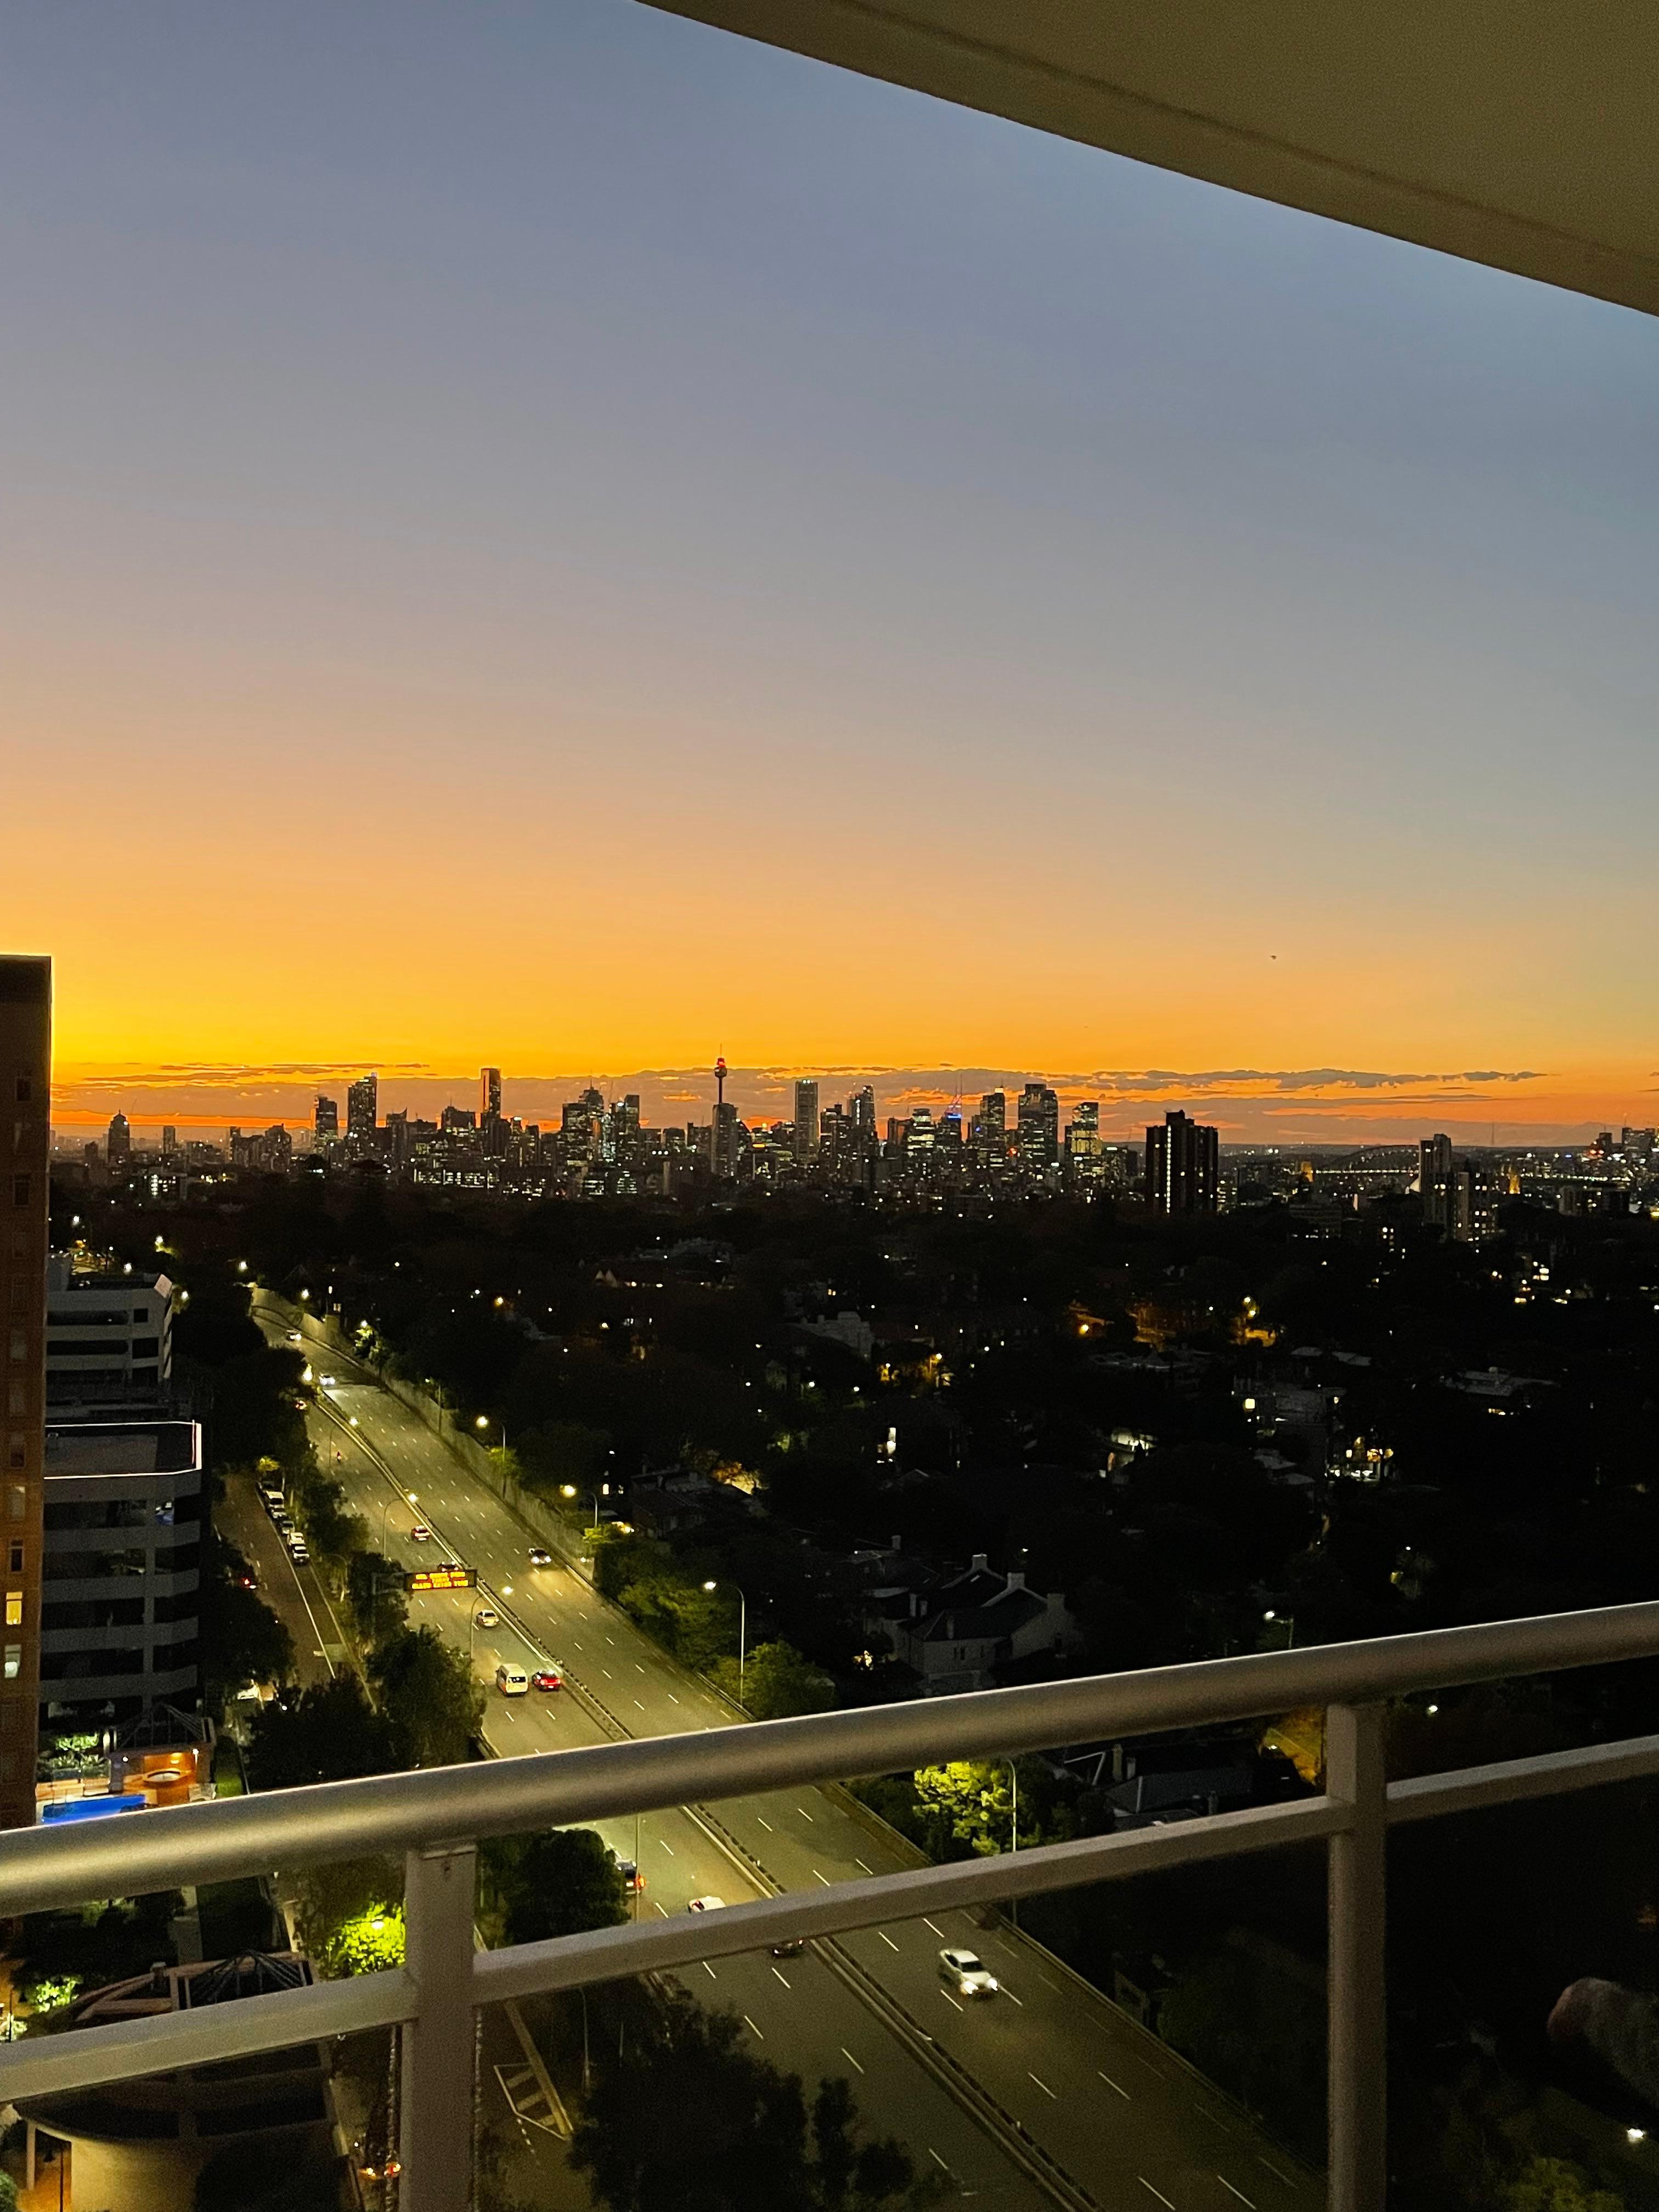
(20, 1344)
(15, 1561)
(17, 1398)
(14, 1662)
(20, 1244)
(17, 1453)
(14, 1608)
(25, 1090)
(21, 1190)
(16, 1496)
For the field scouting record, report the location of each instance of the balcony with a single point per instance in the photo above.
(435, 1819)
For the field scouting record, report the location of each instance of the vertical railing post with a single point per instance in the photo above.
(435, 2130)
(1357, 1986)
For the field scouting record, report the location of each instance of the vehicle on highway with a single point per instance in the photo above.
(328, 1381)
(540, 1556)
(245, 1578)
(791, 1949)
(967, 1974)
(420, 1534)
(294, 1336)
(707, 1904)
(512, 1681)
(486, 1617)
(547, 1678)
(631, 1876)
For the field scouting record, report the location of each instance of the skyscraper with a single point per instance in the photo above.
(1039, 1126)
(489, 1095)
(169, 1140)
(1183, 1166)
(989, 1133)
(25, 1081)
(325, 1120)
(363, 1110)
(118, 1149)
(806, 1122)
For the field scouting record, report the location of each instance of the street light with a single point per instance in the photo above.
(1013, 1840)
(743, 1631)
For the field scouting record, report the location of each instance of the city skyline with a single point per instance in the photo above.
(1135, 626)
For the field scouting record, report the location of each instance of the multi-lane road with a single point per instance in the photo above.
(1108, 2104)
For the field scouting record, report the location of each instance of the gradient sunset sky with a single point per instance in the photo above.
(549, 535)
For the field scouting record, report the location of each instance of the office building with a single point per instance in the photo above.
(363, 1110)
(1083, 1160)
(109, 1340)
(118, 1146)
(489, 1095)
(169, 1140)
(989, 1131)
(25, 1074)
(806, 1122)
(1183, 1166)
(325, 1120)
(122, 1533)
(1038, 1128)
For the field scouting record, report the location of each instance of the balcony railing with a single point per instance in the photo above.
(436, 1817)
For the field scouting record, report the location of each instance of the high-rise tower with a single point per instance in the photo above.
(1183, 1166)
(25, 1097)
(806, 1122)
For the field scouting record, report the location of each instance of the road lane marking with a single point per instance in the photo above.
(669, 1848)
(638, 1669)
(767, 1825)
(887, 1939)
(936, 2160)
(1118, 2086)
(607, 1673)
(950, 2000)
(663, 1909)
(784, 1979)
(1040, 2083)
(1274, 2171)
(848, 2057)
(754, 2031)
(1158, 2193)
(868, 1869)
(1216, 2121)
(637, 1702)
(708, 1970)
(926, 1922)
(805, 1815)
(1238, 2193)
(672, 1699)
(1012, 1998)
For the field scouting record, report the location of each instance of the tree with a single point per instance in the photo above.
(242, 1639)
(966, 1802)
(1551, 2184)
(330, 1896)
(688, 2120)
(370, 1942)
(428, 1694)
(777, 1681)
(374, 1597)
(331, 1733)
(555, 1884)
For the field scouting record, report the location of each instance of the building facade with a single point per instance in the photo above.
(109, 1340)
(806, 1122)
(122, 1574)
(1183, 1166)
(25, 1076)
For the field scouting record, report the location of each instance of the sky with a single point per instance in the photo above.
(549, 535)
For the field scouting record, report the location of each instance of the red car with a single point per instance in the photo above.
(547, 1678)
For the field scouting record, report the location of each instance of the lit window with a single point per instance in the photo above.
(14, 1608)
(14, 1662)
(16, 1500)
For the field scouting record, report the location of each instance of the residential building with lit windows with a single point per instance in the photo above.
(109, 1340)
(25, 1089)
(1183, 1166)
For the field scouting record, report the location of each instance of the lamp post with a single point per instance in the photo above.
(1013, 1840)
(482, 1422)
(385, 1516)
(743, 1631)
(1289, 1619)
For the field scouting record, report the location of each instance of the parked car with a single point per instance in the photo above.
(547, 1678)
(486, 1617)
(420, 1534)
(298, 1551)
(707, 1904)
(967, 1974)
(328, 1381)
(512, 1681)
(540, 1556)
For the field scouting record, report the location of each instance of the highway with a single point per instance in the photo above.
(1098, 2096)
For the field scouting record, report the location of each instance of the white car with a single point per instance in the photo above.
(486, 1617)
(328, 1381)
(512, 1681)
(967, 1974)
(300, 1552)
(707, 1904)
(294, 1336)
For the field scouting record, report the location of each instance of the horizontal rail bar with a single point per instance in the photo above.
(161, 1849)
(606, 1954)
(1513, 1781)
(127, 2049)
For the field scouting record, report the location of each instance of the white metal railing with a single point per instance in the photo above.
(436, 1817)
